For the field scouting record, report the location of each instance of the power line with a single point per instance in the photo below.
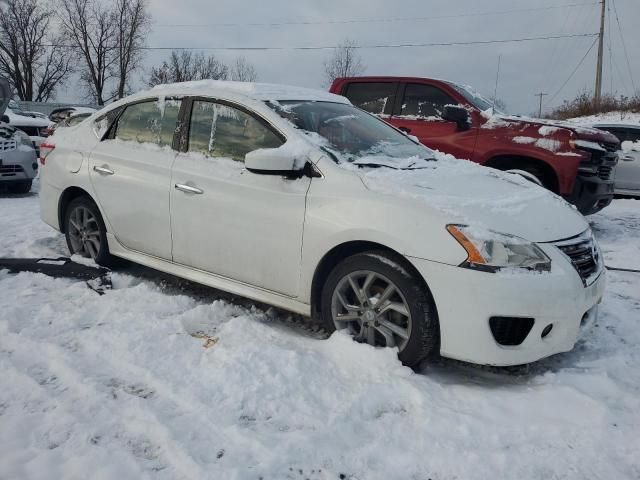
(374, 20)
(624, 47)
(396, 45)
(573, 72)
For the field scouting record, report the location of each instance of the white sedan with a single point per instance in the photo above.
(296, 198)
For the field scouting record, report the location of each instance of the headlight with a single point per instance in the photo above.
(491, 251)
(23, 138)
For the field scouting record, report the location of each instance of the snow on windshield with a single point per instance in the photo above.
(351, 135)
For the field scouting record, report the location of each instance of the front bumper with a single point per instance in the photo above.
(18, 165)
(591, 194)
(466, 300)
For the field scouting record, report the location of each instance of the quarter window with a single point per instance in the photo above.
(374, 97)
(219, 130)
(149, 122)
(424, 101)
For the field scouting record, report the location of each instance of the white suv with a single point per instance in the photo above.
(296, 198)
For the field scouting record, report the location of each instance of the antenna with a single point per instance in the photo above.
(495, 91)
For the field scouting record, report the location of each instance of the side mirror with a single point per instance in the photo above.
(273, 161)
(5, 119)
(459, 115)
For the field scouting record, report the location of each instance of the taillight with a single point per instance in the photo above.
(45, 150)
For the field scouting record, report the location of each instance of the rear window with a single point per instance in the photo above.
(374, 97)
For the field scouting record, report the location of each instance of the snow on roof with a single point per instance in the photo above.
(256, 91)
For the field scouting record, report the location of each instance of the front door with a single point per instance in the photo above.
(226, 220)
(130, 172)
(419, 114)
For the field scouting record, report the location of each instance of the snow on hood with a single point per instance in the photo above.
(547, 127)
(25, 120)
(475, 195)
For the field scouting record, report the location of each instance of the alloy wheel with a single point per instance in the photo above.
(84, 232)
(373, 308)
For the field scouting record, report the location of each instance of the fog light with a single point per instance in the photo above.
(34, 166)
(547, 330)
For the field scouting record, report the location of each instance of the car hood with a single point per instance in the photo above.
(467, 193)
(581, 132)
(5, 95)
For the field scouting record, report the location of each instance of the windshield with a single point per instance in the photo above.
(475, 98)
(350, 134)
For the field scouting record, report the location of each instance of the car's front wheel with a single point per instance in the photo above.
(378, 301)
(85, 231)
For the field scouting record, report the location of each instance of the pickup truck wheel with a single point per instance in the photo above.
(374, 298)
(533, 177)
(85, 231)
(23, 186)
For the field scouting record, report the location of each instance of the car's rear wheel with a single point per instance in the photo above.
(85, 231)
(377, 300)
(23, 186)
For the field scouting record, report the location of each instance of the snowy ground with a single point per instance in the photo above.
(115, 387)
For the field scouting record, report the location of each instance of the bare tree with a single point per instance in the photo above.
(243, 71)
(344, 62)
(31, 57)
(132, 25)
(184, 66)
(92, 30)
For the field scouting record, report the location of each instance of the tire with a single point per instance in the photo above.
(90, 239)
(407, 319)
(23, 186)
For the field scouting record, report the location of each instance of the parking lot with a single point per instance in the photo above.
(160, 376)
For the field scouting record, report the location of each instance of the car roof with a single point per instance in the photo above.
(243, 90)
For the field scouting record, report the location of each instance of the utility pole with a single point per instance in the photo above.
(541, 94)
(598, 91)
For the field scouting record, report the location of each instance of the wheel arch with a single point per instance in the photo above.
(345, 250)
(506, 162)
(67, 196)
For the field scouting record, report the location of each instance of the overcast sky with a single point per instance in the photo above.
(526, 68)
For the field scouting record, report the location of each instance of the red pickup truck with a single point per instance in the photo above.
(577, 163)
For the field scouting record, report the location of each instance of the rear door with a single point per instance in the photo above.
(130, 171)
(418, 112)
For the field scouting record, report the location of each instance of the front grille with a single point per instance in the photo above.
(583, 255)
(604, 172)
(10, 170)
(32, 131)
(6, 145)
(510, 331)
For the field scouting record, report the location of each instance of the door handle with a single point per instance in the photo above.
(103, 170)
(405, 129)
(188, 189)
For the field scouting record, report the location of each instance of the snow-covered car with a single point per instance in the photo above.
(296, 198)
(627, 178)
(37, 127)
(18, 161)
(70, 121)
(63, 113)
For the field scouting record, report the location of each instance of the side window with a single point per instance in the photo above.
(633, 135)
(218, 130)
(424, 101)
(620, 134)
(102, 124)
(371, 96)
(149, 122)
